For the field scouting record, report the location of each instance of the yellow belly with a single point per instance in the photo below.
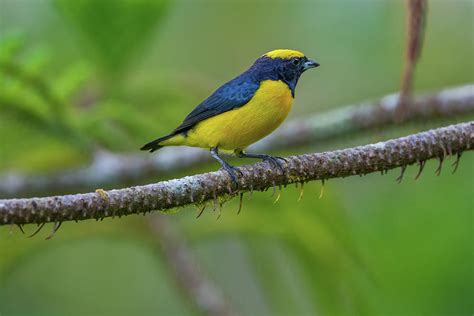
(237, 129)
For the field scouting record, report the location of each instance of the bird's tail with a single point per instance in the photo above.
(155, 145)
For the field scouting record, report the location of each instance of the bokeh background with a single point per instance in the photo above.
(122, 72)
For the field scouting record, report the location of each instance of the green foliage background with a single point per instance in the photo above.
(81, 75)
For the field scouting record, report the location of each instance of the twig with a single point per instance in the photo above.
(108, 168)
(187, 274)
(171, 194)
(416, 20)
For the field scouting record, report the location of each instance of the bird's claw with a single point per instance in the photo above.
(275, 160)
(232, 173)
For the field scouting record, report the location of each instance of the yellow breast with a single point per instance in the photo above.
(237, 129)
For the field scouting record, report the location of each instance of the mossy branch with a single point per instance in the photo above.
(212, 186)
(108, 168)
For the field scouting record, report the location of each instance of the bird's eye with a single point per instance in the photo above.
(295, 61)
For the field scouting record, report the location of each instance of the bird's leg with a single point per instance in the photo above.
(230, 170)
(274, 160)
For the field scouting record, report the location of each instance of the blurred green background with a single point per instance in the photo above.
(80, 75)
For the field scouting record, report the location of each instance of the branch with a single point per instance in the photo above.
(416, 20)
(108, 168)
(186, 271)
(217, 186)
(348, 120)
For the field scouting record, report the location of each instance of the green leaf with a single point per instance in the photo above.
(10, 44)
(113, 29)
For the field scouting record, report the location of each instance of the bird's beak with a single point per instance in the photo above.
(310, 64)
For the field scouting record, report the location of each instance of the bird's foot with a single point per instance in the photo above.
(232, 171)
(276, 161)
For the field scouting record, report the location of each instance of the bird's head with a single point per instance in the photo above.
(289, 60)
(284, 64)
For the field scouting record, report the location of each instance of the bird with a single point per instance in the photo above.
(243, 110)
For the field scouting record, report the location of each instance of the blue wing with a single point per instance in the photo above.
(229, 96)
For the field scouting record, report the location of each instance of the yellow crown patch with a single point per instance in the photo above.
(283, 53)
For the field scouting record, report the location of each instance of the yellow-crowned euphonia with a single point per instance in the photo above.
(243, 110)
